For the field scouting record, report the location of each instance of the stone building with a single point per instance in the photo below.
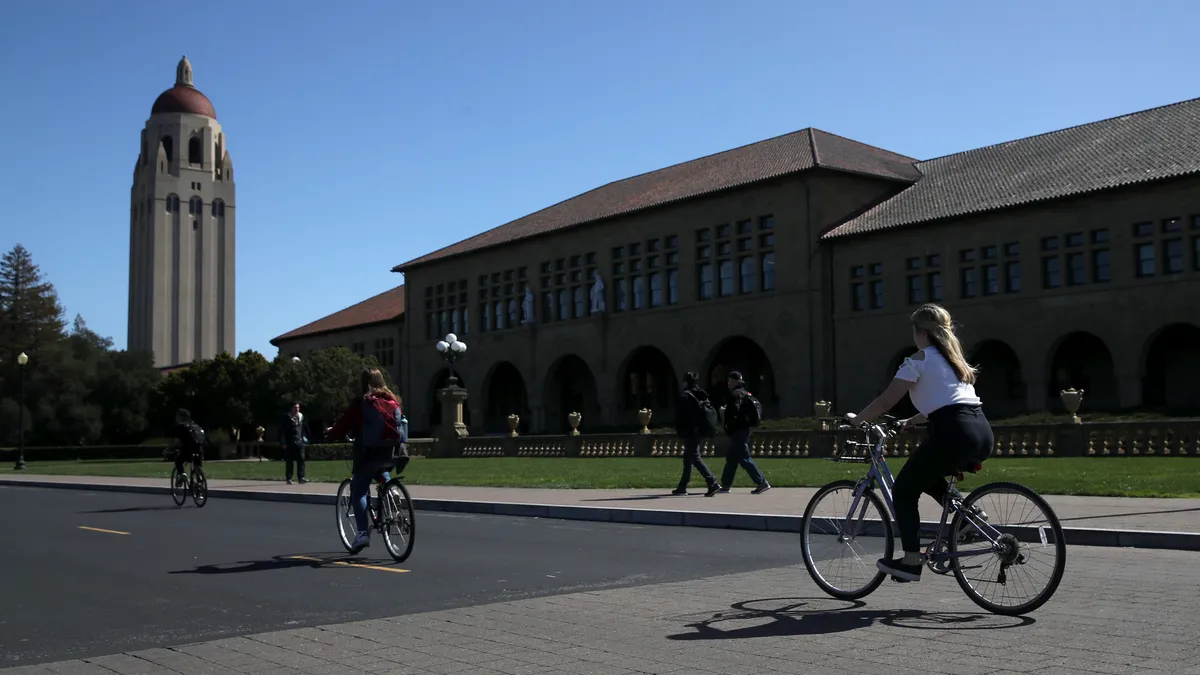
(1069, 259)
(182, 231)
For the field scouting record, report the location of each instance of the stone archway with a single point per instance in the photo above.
(744, 355)
(999, 382)
(1082, 361)
(1171, 369)
(504, 395)
(648, 381)
(570, 387)
(439, 382)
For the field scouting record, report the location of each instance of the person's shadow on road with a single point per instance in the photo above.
(278, 562)
(788, 617)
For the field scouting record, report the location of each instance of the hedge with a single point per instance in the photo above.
(77, 452)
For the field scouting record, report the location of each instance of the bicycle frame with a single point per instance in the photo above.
(880, 475)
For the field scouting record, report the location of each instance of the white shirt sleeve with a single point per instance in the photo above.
(910, 370)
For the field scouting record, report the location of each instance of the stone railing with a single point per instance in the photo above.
(1163, 438)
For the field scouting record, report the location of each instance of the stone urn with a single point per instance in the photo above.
(260, 431)
(1071, 398)
(574, 419)
(644, 416)
(821, 410)
(513, 421)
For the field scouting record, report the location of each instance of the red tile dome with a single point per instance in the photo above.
(183, 97)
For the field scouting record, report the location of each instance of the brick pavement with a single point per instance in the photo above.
(1117, 611)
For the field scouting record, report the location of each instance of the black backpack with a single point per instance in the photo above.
(754, 414)
(196, 435)
(707, 419)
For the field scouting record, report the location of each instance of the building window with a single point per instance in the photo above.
(1173, 256)
(970, 282)
(916, 290)
(359, 348)
(1144, 259)
(704, 280)
(639, 292)
(1170, 225)
(656, 290)
(748, 268)
(564, 305)
(499, 316)
(1101, 266)
(621, 291)
(385, 352)
(991, 280)
(1075, 269)
(869, 292)
(1196, 253)
(548, 306)
(726, 274)
(877, 294)
(934, 277)
(673, 287)
(1074, 240)
(1049, 243)
(580, 306)
(858, 297)
(1141, 230)
(1051, 272)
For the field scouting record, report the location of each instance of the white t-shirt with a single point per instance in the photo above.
(937, 384)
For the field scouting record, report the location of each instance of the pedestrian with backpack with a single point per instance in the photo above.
(695, 420)
(742, 413)
(379, 429)
(192, 440)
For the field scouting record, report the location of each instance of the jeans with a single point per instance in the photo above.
(360, 487)
(958, 435)
(691, 457)
(293, 454)
(739, 453)
(183, 456)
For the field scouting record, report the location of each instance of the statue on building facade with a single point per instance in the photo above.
(597, 293)
(527, 307)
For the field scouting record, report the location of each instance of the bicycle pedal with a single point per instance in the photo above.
(899, 580)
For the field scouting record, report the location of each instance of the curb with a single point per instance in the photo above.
(1075, 536)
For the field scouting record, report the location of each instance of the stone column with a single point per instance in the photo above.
(452, 398)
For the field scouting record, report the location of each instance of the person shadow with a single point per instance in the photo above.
(790, 617)
(279, 562)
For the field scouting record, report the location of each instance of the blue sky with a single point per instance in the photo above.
(364, 137)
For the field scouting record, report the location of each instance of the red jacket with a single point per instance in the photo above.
(351, 420)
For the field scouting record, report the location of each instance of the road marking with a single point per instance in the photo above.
(347, 564)
(97, 529)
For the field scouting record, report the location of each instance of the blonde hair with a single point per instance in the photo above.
(935, 321)
(373, 383)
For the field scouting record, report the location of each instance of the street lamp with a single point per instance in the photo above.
(451, 350)
(22, 359)
(295, 360)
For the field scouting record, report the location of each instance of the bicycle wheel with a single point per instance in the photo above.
(828, 548)
(397, 520)
(1033, 548)
(346, 524)
(179, 486)
(199, 487)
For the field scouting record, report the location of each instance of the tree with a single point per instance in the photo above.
(323, 383)
(32, 316)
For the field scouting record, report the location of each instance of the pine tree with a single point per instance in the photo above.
(32, 318)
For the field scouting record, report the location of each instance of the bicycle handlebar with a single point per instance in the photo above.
(886, 426)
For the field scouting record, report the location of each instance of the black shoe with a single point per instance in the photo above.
(679, 492)
(289, 481)
(761, 489)
(723, 490)
(303, 481)
(898, 569)
(713, 489)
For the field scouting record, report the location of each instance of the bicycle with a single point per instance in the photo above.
(189, 483)
(391, 507)
(968, 524)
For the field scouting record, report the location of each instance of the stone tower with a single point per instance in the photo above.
(182, 231)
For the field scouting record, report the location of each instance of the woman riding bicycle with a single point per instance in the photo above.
(377, 424)
(940, 383)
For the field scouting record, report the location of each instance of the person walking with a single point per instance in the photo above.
(742, 413)
(293, 436)
(695, 420)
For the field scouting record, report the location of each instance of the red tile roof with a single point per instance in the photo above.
(386, 306)
(1155, 144)
(772, 158)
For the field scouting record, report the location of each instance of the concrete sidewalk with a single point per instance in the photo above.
(1089, 521)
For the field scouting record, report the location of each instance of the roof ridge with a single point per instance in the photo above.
(858, 142)
(1064, 129)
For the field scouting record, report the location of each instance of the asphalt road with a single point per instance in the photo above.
(163, 576)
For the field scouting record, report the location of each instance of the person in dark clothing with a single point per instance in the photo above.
(741, 414)
(293, 436)
(692, 426)
(190, 437)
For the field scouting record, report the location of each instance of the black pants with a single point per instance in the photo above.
(691, 457)
(294, 454)
(958, 435)
(183, 456)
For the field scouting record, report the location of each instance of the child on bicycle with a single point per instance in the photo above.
(941, 385)
(379, 430)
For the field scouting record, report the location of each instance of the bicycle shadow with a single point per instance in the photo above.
(134, 509)
(787, 617)
(280, 562)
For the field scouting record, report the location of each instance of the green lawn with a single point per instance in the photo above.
(1108, 476)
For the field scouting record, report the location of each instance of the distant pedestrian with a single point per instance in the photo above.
(293, 436)
(695, 420)
(742, 413)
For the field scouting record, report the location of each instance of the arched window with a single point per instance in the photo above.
(218, 208)
(172, 203)
(195, 154)
(195, 206)
(168, 145)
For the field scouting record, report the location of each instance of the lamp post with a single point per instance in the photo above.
(295, 360)
(22, 359)
(451, 349)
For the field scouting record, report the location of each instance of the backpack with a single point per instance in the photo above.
(754, 414)
(383, 425)
(197, 435)
(708, 420)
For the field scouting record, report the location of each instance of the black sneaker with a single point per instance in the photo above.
(761, 489)
(303, 481)
(723, 490)
(679, 492)
(898, 569)
(289, 481)
(713, 489)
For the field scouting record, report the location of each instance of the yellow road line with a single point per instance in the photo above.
(347, 564)
(97, 529)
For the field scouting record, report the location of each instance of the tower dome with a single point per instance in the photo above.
(184, 97)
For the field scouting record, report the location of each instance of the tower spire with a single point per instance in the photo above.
(183, 73)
